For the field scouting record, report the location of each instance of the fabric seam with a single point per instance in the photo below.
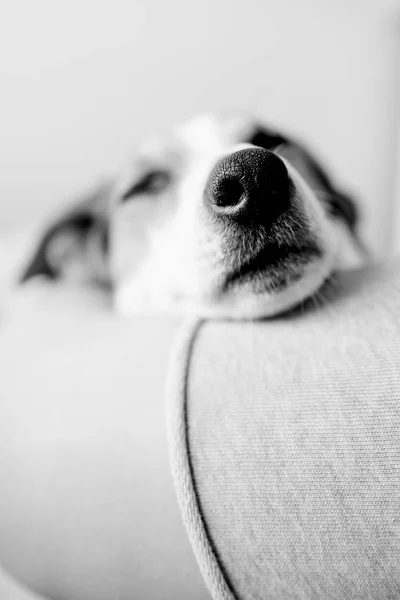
(181, 468)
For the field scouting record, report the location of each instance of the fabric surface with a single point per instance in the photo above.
(13, 590)
(87, 506)
(285, 447)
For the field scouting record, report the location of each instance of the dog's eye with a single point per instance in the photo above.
(152, 183)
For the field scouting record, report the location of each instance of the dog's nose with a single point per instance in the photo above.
(249, 185)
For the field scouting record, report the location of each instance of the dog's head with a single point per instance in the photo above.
(222, 218)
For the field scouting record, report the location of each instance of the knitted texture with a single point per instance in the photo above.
(285, 447)
(182, 470)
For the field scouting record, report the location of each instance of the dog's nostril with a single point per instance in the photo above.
(227, 192)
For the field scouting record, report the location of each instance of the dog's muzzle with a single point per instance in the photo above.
(249, 186)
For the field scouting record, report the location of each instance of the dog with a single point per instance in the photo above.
(224, 218)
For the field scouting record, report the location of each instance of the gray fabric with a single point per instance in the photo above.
(87, 506)
(181, 467)
(290, 433)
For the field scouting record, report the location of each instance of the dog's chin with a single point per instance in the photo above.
(254, 292)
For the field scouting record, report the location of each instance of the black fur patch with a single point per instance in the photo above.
(340, 204)
(83, 224)
(87, 220)
(265, 138)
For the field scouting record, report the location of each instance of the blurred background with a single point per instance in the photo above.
(82, 81)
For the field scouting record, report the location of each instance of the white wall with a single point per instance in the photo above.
(81, 81)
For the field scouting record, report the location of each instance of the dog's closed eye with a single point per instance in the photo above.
(152, 183)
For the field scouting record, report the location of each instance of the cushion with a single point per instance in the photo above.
(87, 505)
(283, 442)
(285, 446)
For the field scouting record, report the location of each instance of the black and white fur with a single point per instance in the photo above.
(150, 237)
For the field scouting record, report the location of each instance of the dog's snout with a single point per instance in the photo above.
(249, 185)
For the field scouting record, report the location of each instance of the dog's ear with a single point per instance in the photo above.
(339, 204)
(75, 245)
